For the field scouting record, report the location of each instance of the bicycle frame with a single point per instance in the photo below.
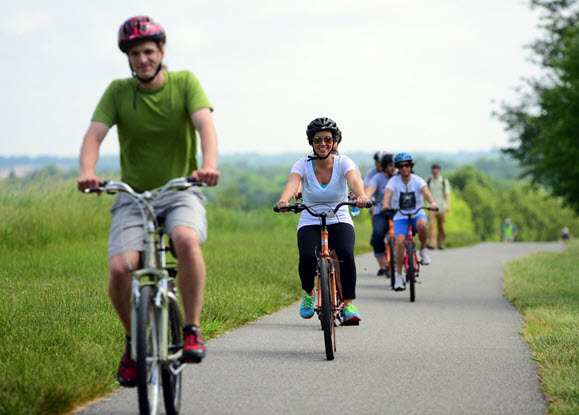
(409, 241)
(391, 235)
(388, 237)
(337, 301)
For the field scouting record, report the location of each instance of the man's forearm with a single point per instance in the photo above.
(209, 150)
(89, 156)
(203, 122)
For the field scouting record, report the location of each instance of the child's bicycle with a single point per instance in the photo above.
(411, 263)
(330, 301)
(156, 318)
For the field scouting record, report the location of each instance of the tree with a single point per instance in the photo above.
(545, 124)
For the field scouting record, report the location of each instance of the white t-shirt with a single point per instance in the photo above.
(369, 175)
(326, 198)
(407, 197)
(378, 182)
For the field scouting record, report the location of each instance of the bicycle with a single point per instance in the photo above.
(411, 263)
(330, 301)
(156, 318)
(391, 252)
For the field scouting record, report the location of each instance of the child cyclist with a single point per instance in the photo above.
(325, 178)
(407, 191)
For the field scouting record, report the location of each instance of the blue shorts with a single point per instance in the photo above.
(401, 225)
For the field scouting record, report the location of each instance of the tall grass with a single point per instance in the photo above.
(60, 338)
(545, 287)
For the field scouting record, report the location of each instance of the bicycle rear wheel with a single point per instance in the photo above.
(392, 264)
(411, 272)
(148, 365)
(327, 311)
(171, 381)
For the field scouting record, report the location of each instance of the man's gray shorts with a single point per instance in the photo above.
(180, 208)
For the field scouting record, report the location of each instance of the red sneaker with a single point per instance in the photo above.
(127, 374)
(194, 349)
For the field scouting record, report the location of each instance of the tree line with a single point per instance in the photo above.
(481, 200)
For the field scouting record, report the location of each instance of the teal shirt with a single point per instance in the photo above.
(156, 135)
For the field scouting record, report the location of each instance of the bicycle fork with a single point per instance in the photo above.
(161, 303)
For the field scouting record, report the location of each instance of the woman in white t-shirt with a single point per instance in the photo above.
(325, 179)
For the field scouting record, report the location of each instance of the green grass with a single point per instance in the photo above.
(61, 339)
(545, 287)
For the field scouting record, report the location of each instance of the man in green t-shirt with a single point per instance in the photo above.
(440, 190)
(157, 114)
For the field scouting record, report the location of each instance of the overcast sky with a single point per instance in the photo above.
(395, 75)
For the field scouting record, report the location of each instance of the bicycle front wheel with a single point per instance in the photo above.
(327, 311)
(392, 262)
(148, 365)
(411, 271)
(172, 381)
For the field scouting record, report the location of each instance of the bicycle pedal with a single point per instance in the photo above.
(354, 323)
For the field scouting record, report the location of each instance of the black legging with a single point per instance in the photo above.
(341, 238)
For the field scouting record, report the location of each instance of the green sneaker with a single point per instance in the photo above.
(307, 307)
(350, 315)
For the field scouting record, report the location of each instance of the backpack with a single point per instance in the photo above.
(443, 184)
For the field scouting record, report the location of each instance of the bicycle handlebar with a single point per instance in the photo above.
(111, 187)
(393, 211)
(300, 207)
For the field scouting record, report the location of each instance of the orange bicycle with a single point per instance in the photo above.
(330, 301)
(390, 250)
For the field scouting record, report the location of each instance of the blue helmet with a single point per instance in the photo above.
(400, 157)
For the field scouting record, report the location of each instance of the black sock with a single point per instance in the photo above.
(190, 328)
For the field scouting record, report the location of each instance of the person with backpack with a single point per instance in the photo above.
(440, 189)
(508, 231)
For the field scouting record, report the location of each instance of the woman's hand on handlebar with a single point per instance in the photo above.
(282, 204)
(362, 201)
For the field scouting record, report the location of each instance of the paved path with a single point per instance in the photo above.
(456, 350)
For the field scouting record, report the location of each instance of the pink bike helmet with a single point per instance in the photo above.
(138, 29)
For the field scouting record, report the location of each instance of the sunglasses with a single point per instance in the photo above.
(327, 140)
(401, 166)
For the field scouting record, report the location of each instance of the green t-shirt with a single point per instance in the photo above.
(439, 190)
(156, 135)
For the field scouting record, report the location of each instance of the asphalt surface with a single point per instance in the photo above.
(456, 350)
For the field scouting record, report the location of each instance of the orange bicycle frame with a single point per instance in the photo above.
(337, 303)
(390, 234)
